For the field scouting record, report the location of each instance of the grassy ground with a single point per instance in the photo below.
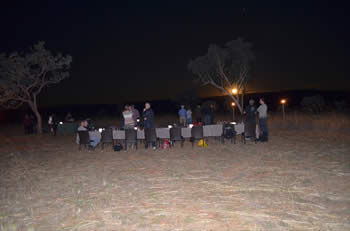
(300, 180)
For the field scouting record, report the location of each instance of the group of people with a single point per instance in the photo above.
(130, 116)
(185, 116)
(253, 112)
(203, 114)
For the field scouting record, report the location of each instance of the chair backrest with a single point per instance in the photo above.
(130, 135)
(150, 135)
(84, 137)
(228, 131)
(175, 133)
(107, 136)
(197, 132)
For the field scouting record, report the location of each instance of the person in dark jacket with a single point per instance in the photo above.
(148, 120)
(198, 114)
(28, 124)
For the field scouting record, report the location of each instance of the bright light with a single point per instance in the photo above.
(100, 130)
(233, 123)
(283, 101)
(190, 125)
(135, 128)
(170, 126)
(138, 120)
(234, 91)
(233, 104)
(61, 122)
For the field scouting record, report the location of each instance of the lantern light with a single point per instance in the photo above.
(234, 91)
(283, 101)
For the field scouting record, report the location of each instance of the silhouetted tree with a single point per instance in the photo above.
(225, 68)
(23, 76)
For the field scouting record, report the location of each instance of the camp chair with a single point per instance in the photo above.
(196, 134)
(130, 138)
(107, 137)
(175, 135)
(84, 139)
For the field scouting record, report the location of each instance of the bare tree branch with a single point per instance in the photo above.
(225, 68)
(23, 76)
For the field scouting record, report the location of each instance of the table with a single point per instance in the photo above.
(214, 130)
(67, 128)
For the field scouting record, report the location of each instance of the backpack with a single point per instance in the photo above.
(117, 147)
(166, 144)
(229, 132)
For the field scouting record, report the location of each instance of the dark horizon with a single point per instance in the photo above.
(140, 51)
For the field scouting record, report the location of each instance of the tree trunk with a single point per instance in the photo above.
(39, 122)
(34, 108)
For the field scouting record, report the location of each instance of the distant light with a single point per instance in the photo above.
(283, 101)
(170, 126)
(138, 120)
(135, 128)
(234, 91)
(100, 130)
(233, 123)
(190, 125)
(233, 104)
(61, 122)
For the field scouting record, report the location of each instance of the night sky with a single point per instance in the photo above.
(139, 50)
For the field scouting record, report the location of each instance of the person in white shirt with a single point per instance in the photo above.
(262, 110)
(128, 118)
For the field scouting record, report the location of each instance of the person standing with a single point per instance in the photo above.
(189, 116)
(250, 118)
(52, 122)
(182, 115)
(262, 110)
(128, 119)
(28, 124)
(135, 113)
(198, 114)
(148, 116)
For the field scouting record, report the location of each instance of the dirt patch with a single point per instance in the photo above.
(297, 181)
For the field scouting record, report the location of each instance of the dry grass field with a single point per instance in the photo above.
(300, 180)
